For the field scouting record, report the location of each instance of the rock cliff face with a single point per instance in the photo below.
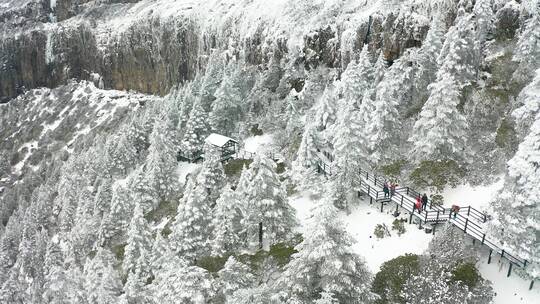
(46, 43)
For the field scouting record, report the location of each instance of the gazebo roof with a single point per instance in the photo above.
(218, 140)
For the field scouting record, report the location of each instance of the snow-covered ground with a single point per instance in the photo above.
(261, 143)
(478, 197)
(183, 170)
(361, 225)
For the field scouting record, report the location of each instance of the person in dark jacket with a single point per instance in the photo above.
(424, 201)
(386, 190)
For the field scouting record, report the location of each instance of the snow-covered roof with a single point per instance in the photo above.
(218, 140)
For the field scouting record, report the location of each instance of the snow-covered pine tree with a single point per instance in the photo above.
(458, 57)
(439, 133)
(117, 220)
(516, 223)
(234, 276)
(351, 155)
(527, 106)
(93, 272)
(304, 172)
(357, 78)
(110, 287)
(212, 175)
(161, 162)
(226, 111)
(527, 53)
(187, 99)
(437, 282)
(383, 130)
(142, 191)
(122, 152)
(379, 69)
(159, 253)
(326, 109)
(139, 240)
(213, 77)
(266, 203)
(229, 234)
(5, 166)
(180, 283)
(190, 229)
(196, 130)
(102, 200)
(326, 262)
(427, 55)
(483, 11)
(135, 289)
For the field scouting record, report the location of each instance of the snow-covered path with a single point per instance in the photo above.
(361, 225)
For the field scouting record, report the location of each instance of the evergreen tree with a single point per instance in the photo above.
(458, 55)
(110, 287)
(226, 111)
(234, 276)
(379, 69)
(440, 130)
(212, 79)
(516, 222)
(357, 78)
(142, 191)
(326, 109)
(117, 220)
(267, 202)
(160, 248)
(196, 130)
(383, 130)
(103, 197)
(527, 53)
(138, 242)
(135, 288)
(326, 262)
(350, 152)
(227, 223)
(190, 229)
(161, 162)
(5, 166)
(306, 162)
(438, 280)
(212, 175)
(427, 57)
(122, 152)
(180, 283)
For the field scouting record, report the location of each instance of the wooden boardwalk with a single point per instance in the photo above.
(470, 220)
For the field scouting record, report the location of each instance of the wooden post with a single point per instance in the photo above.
(401, 201)
(370, 200)
(469, 211)
(382, 204)
(531, 286)
(466, 223)
(473, 241)
(509, 270)
(433, 230)
(260, 235)
(410, 216)
(437, 220)
(489, 258)
(407, 190)
(502, 253)
(397, 206)
(483, 238)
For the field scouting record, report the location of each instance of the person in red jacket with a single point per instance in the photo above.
(418, 204)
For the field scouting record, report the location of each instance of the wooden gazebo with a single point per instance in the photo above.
(226, 146)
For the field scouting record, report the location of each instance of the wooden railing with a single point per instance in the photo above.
(468, 219)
